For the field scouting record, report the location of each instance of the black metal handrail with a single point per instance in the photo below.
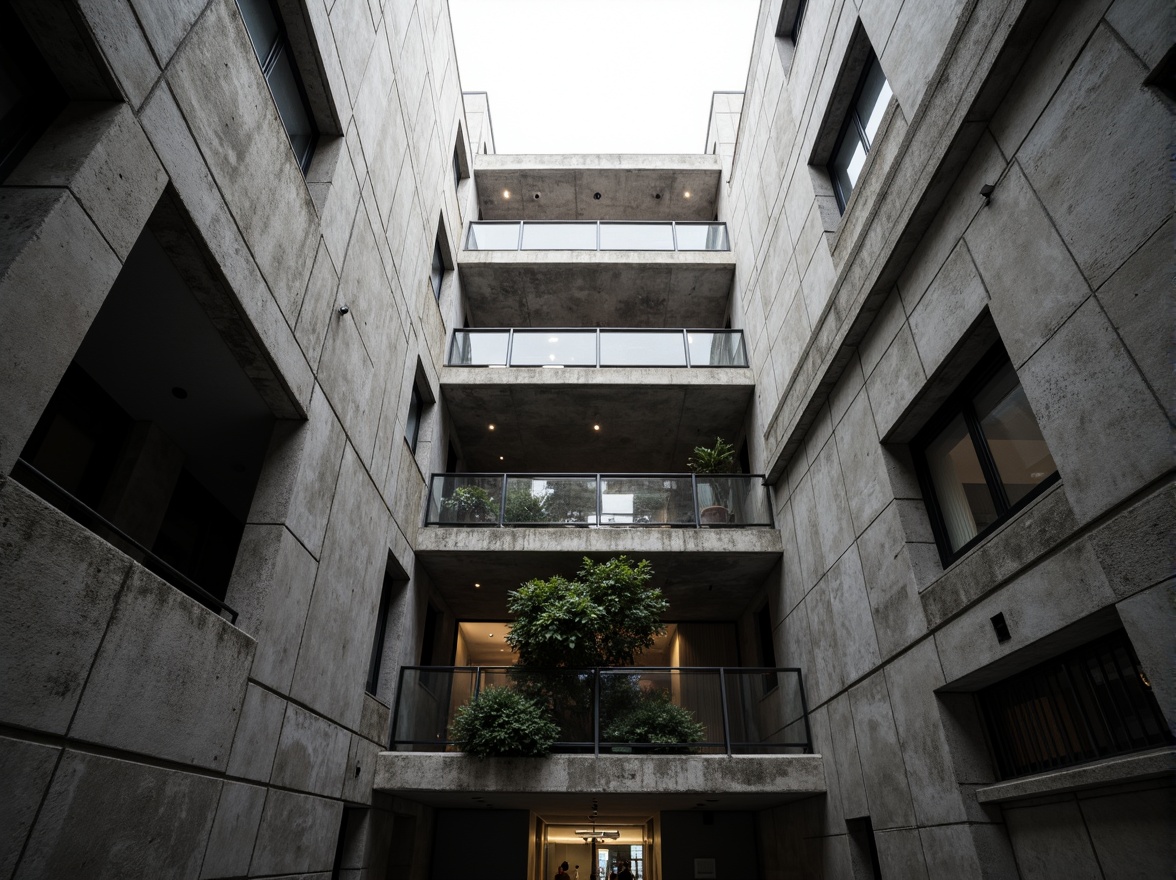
(32, 479)
(483, 499)
(460, 356)
(768, 690)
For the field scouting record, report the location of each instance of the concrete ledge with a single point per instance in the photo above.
(1126, 768)
(674, 781)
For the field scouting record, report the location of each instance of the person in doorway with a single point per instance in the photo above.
(625, 874)
(576, 873)
(562, 873)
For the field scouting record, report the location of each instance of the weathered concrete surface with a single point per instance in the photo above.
(596, 288)
(230, 843)
(94, 801)
(632, 187)
(1153, 764)
(26, 769)
(297, 835)
(669, 780)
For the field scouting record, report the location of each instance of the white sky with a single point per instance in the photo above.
(602, 76)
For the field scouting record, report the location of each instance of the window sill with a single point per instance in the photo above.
(1108, 771)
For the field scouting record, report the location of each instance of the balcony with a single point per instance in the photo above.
(658, 273)
(740, 711)
(562, 347)
(599, 500)
(600, 235)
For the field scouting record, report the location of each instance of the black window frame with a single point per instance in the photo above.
(282, 52)
(959, 403)
(797, 21)
(1086, 693)
(437, 269)
(853, 122)
(375, 664)
(412, 425)
(41, 96)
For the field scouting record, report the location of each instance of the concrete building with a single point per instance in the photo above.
(251, 255)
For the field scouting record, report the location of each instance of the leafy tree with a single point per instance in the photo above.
(603, 617)
(503, 723)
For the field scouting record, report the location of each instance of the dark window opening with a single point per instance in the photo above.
(271, 45)
(870, 100)
(437, 271)
(1090, 703)
(982, 458)
(377, 659)
(350, 847)
(429, 635)
(30, 95)
(1163, 77)
(797, 20)
(154, 438)
(767, 646)
(863, 849)
(412, 427)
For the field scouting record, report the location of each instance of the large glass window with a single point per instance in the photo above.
(857, 134)
(1087, 704)
(272, 48)
(983, 457)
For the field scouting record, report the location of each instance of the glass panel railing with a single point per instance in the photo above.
(479, 348)
(540, 500)
(626, 500)
(490, 235)
(636, 236)
(493, 237)
(465, 499)
(553, 348)
(559, 236)
(732, 500)
(702, 236)
(668, 710)
(642, 348)
(646, 500)
(716, 348)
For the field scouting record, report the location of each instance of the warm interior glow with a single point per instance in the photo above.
(506, 193)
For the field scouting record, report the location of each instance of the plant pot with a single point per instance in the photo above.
(715, 515)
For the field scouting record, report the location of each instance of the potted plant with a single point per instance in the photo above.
(503, 723)
(717, 459)
(655, 720)
(471, 504)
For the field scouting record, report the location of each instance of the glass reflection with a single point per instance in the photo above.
(1014, 439)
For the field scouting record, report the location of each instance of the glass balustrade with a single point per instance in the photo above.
(597, 348)
(715, 710)
(599, 500)
(497, 235)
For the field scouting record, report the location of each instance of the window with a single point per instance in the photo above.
(271, 44)
(797, 18)
(30, 96)
(863, 849)
(982, 457)
(767, 646)
(1090, 703)
(437, 272)
(412, 427)
(869, 104)
(460, 166)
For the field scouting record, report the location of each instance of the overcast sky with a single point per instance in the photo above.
(602, 76)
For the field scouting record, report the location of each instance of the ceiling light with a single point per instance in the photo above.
(596, 427)
(477, 586)
(501, 458)
(687, 193)
(551, 357)
(491, 427)
(553, 339)
(489, 635)
(506, 193)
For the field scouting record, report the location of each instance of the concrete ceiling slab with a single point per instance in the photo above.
(705, 574)
(627, 787)
(596, 288)
(631, 187)
(650, 418)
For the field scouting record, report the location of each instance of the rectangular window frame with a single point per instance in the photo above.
(412, 425)
(960, 403)
(853, 124)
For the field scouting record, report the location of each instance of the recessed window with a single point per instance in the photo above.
(797, 20)
(437, 272)
(30, 96)
(412, 427)
(1087, 704)
(859, 130)
(271, 45)
(982, 458)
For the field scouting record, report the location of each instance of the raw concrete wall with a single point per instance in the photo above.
(161, 739)
(861, 324)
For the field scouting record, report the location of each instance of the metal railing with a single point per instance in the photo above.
(49, 491)
(598, 235)
(718, 710)
(599, 500)
(592, 347)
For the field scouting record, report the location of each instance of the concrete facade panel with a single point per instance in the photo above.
(297, 834)
(883, 770)
(230, 843)
(26, 769)
(311, 754)
(256, 740)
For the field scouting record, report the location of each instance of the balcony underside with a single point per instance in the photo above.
(561, 786)
(631, 187)
(596, 288)
(650, 418)
(706, 574)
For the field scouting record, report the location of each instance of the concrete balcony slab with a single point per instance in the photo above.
(706, 574)
(544, 419)
(596, 288)
(630, 186)
(624, 784)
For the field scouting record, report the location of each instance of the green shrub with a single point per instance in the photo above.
(471, 504)
(657, 721)
(503, 723)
